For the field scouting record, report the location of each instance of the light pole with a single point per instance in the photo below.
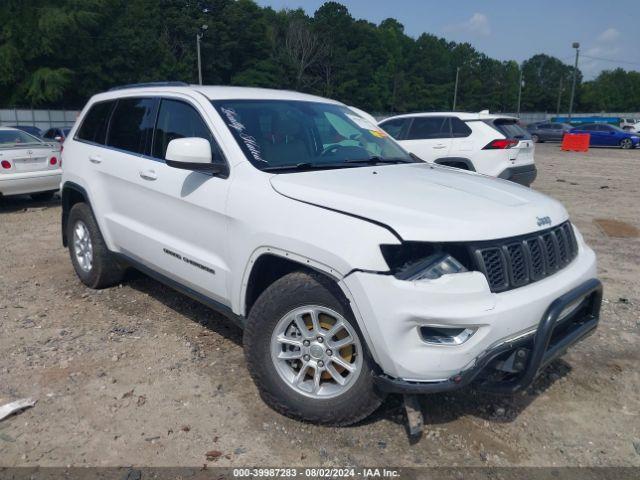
(519, 91)
(455, 90)
(199, 36)
(559, 96)
(575, 45)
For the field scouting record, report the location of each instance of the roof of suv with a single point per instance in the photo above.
(460, 115)
(219, 93)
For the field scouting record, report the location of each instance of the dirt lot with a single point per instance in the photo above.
(141, 375)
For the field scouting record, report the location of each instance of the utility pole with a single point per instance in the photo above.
(559, 96)
(455, 90)
(199, 36)
(519, 91)
(575, 45)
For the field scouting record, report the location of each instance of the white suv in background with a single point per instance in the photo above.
(489, 144)
(354, 269)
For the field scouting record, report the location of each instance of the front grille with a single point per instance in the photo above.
(515, 262)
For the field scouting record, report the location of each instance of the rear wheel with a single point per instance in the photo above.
(42, 196)
(94, 264)
(306, 354)
(535, 138)
(626, 143)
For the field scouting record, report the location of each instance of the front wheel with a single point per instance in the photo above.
(535, 138)
(626, 143)
(306, 354)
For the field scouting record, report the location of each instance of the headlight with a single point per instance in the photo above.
(415, 261)
(431, 268)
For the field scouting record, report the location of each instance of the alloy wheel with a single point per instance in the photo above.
(82, 246)
(316, 352)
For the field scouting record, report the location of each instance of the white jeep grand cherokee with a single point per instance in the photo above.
(354, 269)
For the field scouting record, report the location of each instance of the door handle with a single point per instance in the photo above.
(148, 175)
(439, 147)
(95, 159)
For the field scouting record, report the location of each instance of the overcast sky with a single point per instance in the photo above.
(515, 30)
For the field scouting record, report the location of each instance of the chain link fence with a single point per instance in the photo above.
(43, 119)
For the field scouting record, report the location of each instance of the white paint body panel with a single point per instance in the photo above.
(333, 221)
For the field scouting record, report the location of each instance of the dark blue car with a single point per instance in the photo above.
(604, 135)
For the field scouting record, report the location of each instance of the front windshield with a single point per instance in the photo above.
(11, 138)
(282, 134)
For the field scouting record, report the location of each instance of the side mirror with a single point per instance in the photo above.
(57, 138)
(193, 153)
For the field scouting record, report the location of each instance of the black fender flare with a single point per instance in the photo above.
(69, 191)
(451, 161)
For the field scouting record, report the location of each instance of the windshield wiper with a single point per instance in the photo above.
(377, 160)
(304, 166)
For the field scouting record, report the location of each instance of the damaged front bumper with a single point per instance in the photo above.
(513, 364)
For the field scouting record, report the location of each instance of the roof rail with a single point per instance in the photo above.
(149, 84)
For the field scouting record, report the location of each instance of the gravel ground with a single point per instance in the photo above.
(141, 375)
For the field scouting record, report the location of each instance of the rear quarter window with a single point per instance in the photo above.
(94, 125)
(510, 128)
(459, 129)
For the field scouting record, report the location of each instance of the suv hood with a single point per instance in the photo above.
(425, 202)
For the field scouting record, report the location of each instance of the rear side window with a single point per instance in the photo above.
(94, 125)
(459, 129)
(395, 128)
(131, 126)
(423, 128)
(177, 119)
(510, 128)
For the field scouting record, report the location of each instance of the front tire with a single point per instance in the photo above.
(306, 353)
(626, 143)
(94, 264)
(536, 139)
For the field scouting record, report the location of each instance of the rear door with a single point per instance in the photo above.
(116, 169)
(610, 136)
(544, 131)
(557, 132)
(429, 137)
(462, 144)
(599, 137)
(396, 127)
(176, 219)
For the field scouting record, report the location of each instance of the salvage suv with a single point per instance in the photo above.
(354, 269)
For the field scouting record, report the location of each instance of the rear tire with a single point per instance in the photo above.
(536, 139)
(42, 196)
(288, 386)
(94, 264)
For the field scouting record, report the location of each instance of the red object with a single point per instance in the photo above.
(6, 164)
(501, 144)
(576, 142)
(53, 161)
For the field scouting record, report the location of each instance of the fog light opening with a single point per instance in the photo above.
(446, 335)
